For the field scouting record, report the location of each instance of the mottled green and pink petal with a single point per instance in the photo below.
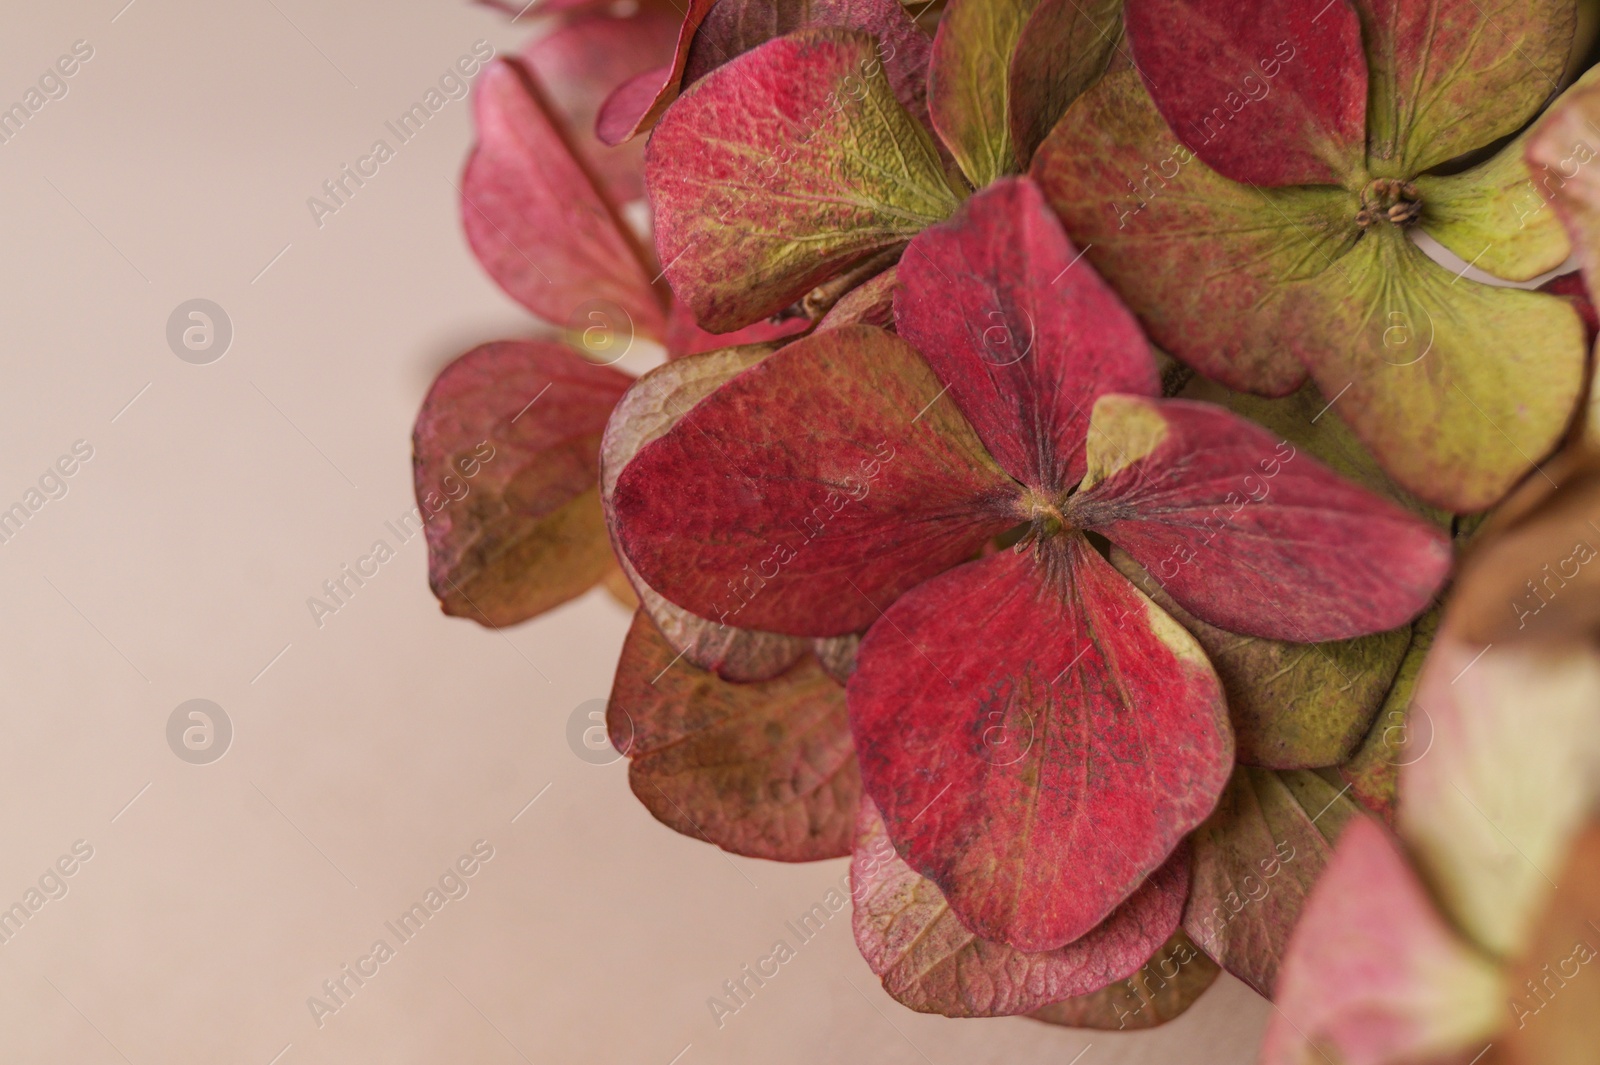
(1448, 76)
(1216, 271)
(784, 167)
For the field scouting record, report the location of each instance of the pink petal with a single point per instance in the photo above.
(536, 219)
(1374, 975)
(580, 64)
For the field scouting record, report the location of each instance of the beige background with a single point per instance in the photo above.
(374, 750)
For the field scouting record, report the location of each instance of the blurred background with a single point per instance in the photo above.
(342, 765)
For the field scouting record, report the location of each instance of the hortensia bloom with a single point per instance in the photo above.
(1035, 736)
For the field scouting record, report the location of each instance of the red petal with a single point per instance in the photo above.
(652, 406)
(535, 218)
(930, 962)
(733, 27)
(685, 337)
(506, 453)
(581, 63)
(1026, 336)
(639, 102)
(825, 481)
(763, 769)
(1038, 744)
(1247, 533)
(1269, 94)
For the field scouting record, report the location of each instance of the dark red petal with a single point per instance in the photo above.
(1248, 533)
(929, 961)
(1026, 335)
(579, 64)
(764, 769)
(1571, 288)
(535, 218)
(506, 455)
(1271, 93)
(1038, 745)
(811, 490)
(640, 101)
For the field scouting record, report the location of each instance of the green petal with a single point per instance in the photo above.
(1497, 214)
(1494, 216)
(968, 87)
(1456, 387)
(1399, 735)
(1447, 76)
(1293, 705)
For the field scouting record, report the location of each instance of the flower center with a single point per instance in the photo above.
(1389, 199)
(1042, 516)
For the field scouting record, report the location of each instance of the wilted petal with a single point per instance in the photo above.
(1163, 989)
(505, 460)
(763, 769)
